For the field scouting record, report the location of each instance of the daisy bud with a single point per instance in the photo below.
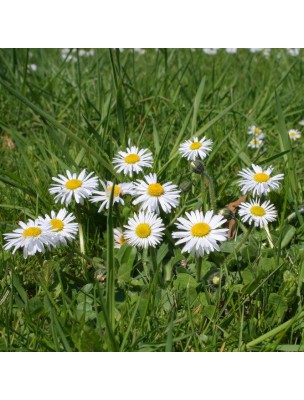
(198, 167)
(185, 186)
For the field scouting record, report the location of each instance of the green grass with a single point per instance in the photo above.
(75, 115)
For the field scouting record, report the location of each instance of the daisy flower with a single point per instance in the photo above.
(61, 225)
(293, 52)
(152, 195)
(105, 195)
(301, 122)
(80, 187)
(133, 160)
(144, 230)
(119, 238)
(199, 233)
(259, 180)
(256, 131)
(210, 52)
(32, 237)
(256, 143)
(193, 149)
(294, 134)
(231, 50)
(256, 213)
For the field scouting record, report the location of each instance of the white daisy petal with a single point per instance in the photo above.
(258, 180)
(294, 134)
(33, 237)
(80, 187)
(193, 149)
(132, 161)
(152, 195)
(144, 230)
(199, 232)
(105, 195)
(61, 225)
(258, 214)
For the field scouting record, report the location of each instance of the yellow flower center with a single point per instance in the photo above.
(257, 131)
(132, 158)
(195, 145)
(122, 240)
(155, 189)
(292, 134)
(143, 230)
(201, 229)
(31, 232)
(258, 211)
(261, 177)
(73, 184)
(255, 141)
(57, 225)
(116, 190)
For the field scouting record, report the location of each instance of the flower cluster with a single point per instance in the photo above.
(199, 233)
(259, 181)
(257, 137)
(36, 235)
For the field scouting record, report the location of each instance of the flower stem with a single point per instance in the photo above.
(81, 238)
(154, 261)
(211, 190)
(198, 263)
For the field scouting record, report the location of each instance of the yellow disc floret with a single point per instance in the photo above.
(73, 184)
(261, 177)
(57, 225)
(195, 146)
(155, 189)
(200, 229)
(143, 230)
(116, 190)
(122, 240)
(32, 232)
(258, 211)
(132, 158)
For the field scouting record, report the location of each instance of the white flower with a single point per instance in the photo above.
(140, 51)
(61, 225)
(80, 187)
(119, 238)
(231, 50)
(254, 130)
(255, 50)
(266, 52)
(199, 232)
(32, 237)
(256, 213)
(294, 134)
(259, 180)
(144, 230)
(193, 149)
(256, 143)
(301, 122)
(293, 52)
(153, 195)
(32, 67)
(210, 52)
(104, 196)
(132, 160)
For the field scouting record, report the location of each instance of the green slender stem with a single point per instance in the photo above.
(211, 190)
(198, 263)
(81, 238)
(154, 261)
(110, 264)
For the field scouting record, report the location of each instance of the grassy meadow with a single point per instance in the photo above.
(76, 109)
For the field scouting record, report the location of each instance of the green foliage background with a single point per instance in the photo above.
(75, 115)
